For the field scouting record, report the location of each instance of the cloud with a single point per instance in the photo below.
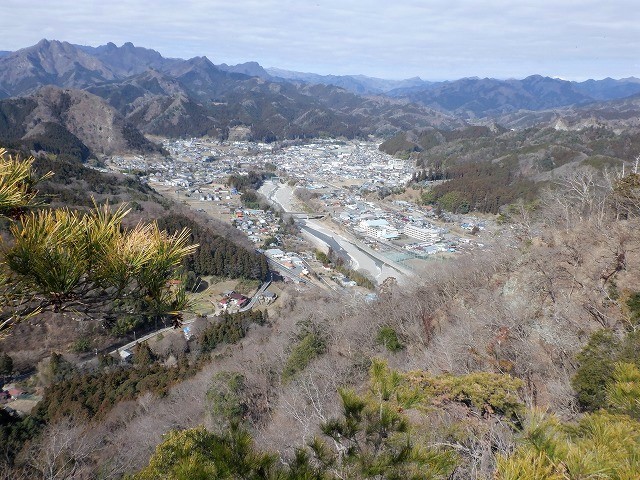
(435, 39)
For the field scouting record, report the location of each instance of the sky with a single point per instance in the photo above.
(432, 39)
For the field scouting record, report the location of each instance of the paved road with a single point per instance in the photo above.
(130, 345)
(257, 296)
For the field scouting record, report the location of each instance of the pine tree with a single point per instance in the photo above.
(6, 364)
(61, 258)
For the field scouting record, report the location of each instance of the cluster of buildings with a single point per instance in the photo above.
(329, 161)
(290, 262)
(257, 225)
(380, 228)
(196, 162)
(340, 173)
(397, 225)
(192, 162)
(377, 222)
(16, 399)
(233, 301)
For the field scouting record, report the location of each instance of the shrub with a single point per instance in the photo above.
(225, 399)
(6, 364)
(302, 353)
(388, 337)
(623, 393)
(597, 362)
(595, 370)
(229, 328)
(81, 345)
(633, 304)
(601, 445)
(488, 393)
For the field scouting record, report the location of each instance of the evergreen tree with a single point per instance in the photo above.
(61, 258)
(6, 364)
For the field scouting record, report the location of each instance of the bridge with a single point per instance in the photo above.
(307, 215)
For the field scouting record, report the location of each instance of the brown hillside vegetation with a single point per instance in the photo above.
(439, 380)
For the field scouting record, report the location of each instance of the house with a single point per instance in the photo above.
(268, 297)
(274, 253)
(238, 299)
(125, 354)
(233, 299)
(14, 392)
(347, 282)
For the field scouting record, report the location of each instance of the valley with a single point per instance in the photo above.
(344, 180)
(214, 270)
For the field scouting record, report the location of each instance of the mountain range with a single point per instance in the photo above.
(137, 90)
(195, 97)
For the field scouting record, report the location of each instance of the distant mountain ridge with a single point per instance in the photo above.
(51, 63)
(478, 97)
(475, 98)
(359, 84)
(128, 59)
(251, 69)
(176, 97)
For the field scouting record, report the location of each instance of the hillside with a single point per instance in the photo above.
(222, 252)
(70, 122)
(477, 346)
(618, 115)
(487, 168)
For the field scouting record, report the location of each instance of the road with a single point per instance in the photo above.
(360, 256)
(286, 271)
(130, 345)
(257, 296)
(148, 336)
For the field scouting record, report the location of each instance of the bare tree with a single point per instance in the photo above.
(65, 450)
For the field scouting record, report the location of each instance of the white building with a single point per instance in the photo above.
(274, 253)
(421, 233)
(379, 228)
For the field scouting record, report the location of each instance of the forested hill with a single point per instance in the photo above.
(486, 168)
(222, 251)
(216, 254)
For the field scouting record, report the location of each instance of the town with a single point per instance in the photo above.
(345, 196)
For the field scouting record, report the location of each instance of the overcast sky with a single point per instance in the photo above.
(435, 40)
